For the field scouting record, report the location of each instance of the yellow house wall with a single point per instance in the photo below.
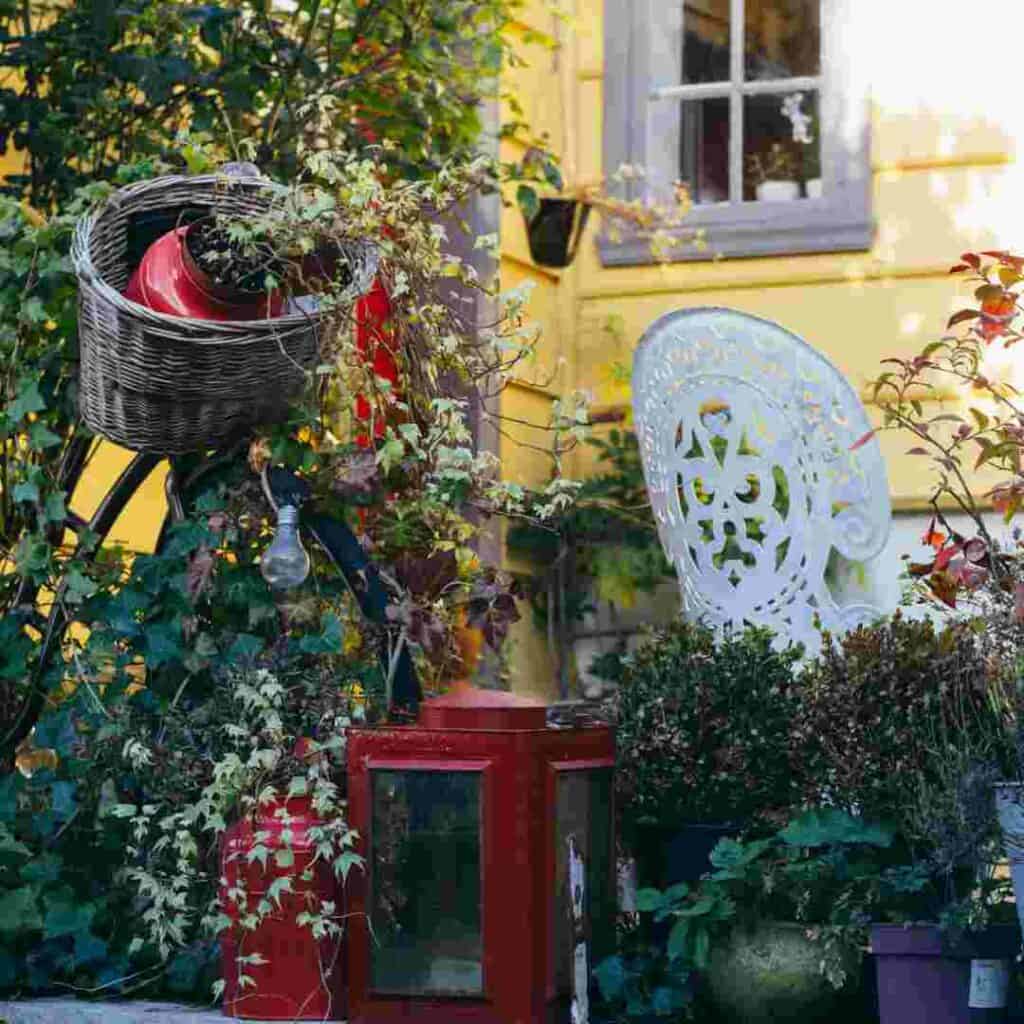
(546, 90)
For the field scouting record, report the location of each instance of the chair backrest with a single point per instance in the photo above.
(749, 444)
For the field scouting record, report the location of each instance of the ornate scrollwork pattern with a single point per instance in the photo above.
(747, 436)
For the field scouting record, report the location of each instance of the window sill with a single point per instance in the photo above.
(751, 234)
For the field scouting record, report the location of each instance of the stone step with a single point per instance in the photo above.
(77, 1011)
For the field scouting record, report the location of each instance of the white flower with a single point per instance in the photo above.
(793, 112)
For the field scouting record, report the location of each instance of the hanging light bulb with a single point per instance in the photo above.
(286, 562)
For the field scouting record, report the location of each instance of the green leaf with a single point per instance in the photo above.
(46, 868)
(27, 400)
(610, 975)
(89, 948)
(701, 948)
(10, 786)
(63, 801)
(676, 892)
(346, 862)
(528, 201)
(553, 175)
(962, 316)
(980, 418)
(65, 915)
(10, 971)
(649, 900)
(26, 490)
(668, 1000)
(78, 586)
(33, 311)
(278, 887)
(19, 911)
(258, 852)
(331, 639)
(828, 825)
(164, 643)
(40, 436)
(8, 844)
(54, 509)
(245, 647)
(678, 937)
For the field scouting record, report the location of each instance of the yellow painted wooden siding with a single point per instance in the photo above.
(547, 91)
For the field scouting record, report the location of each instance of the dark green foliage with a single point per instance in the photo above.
(887, 708)
(193, 612)
(824, 869)
(703, 730)
(92, 85)
(609, 534)
(643, 981)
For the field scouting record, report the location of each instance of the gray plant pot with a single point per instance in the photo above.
(772, 973)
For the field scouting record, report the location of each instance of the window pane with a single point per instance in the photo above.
(583, 812)
(781, 147)
(704, 149)
(705, 41)
(782, 38)
(425, 883)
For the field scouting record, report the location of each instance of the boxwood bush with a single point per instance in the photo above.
(703, 729)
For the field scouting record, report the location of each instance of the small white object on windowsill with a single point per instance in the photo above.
(814, 188)
(777, 191)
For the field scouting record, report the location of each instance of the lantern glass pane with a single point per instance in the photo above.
(583, 815)
(425, 883)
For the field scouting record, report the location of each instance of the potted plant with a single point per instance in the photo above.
(807, 138)
(970, 568)
(946, 938)
(702, 739)
(903, 721)
(778, 926)
(773, 171)
(555, 223)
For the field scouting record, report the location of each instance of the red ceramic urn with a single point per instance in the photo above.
(169, 281)
(297, 977)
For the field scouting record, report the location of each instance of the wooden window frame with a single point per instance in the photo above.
(839, 221)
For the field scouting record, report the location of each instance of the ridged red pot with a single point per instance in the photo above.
(302, 979)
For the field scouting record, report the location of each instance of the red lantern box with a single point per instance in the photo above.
(469, 821)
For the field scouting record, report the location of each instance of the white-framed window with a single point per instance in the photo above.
(757, 106)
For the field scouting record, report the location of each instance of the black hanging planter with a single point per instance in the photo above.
(555, 231)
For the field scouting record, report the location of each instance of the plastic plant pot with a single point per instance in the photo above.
(555, 231)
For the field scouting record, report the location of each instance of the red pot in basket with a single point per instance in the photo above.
(302, 978)
(169, 281)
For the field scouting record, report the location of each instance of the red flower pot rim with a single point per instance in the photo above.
(222, 294)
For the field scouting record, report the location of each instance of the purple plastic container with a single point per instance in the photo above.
(923, 978)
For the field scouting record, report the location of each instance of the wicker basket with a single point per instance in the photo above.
(166, 384)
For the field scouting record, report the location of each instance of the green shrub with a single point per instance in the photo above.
(703, 730)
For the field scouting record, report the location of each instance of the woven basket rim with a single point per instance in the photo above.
(89, 276)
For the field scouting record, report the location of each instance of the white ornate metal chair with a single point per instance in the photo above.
(747, 436)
